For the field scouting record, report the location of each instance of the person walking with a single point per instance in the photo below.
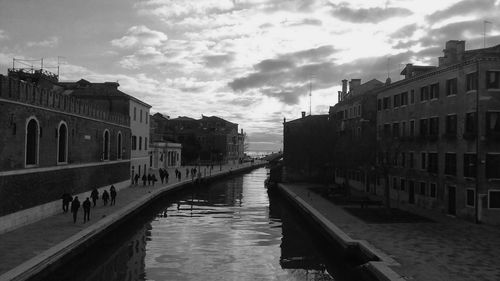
(153, 179)
(112, 192)
(75, 205)
(136, 179)
(144, 179)
(162, 175)
(86, 210)
(166, 176)
(94, 195)
(66, 199)
(105, 197)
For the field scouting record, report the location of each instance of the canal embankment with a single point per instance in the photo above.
(375, 263)
(30, 251)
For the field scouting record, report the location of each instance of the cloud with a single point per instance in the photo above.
(140, 36)
(406, 31)
(168, 9)
(343, 12)
(272, 65)
(48, 43)
(214, 61)
(3, 35)
(465, 7)
(315, 54)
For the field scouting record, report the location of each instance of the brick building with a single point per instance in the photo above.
(354, 120)
(439, 132)
(53, 143)
(108, 96)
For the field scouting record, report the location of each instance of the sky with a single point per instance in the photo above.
(251, 62)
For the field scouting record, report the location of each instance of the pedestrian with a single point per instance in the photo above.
(166, 176)
(136, 179)
(112, 192)
(86, 210)
(94, 195)
(187, 172)
(144, 179)
(66, 199)
(153, 179)
(105, 197)
(75, 205)
(162, 175)
(149, 179)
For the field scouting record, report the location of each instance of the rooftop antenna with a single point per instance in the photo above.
(484, 32)
(388, 62)
(310, 95)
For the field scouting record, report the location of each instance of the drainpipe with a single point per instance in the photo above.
(478, 139)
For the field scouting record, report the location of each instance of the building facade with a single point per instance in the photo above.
(52, 143)
(439, 134)
(166, 155)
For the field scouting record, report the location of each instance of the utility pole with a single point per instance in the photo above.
(310, 96)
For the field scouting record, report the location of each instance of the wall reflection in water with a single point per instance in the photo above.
(229, 230)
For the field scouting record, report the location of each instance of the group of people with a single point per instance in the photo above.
(150, 179)
(94, 195)
(163, 175)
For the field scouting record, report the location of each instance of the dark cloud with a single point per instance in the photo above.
(465, 7)
(405, 31)
(314, 22)
(218, 60)
(315, 54)
(242, 101)
(366, 15)
(272, 65)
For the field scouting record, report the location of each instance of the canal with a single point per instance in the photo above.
(231, 229)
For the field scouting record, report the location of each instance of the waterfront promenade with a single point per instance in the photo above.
(445, 250)
(40, 239)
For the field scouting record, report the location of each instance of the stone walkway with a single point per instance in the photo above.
(446, 250)
(24, 243)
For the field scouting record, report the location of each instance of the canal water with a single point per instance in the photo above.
(231, 229)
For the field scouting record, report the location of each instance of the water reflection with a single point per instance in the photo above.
(225, 231)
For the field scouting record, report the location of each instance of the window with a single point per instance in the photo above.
(395, 130)
(492, 123)
(424, 93)
(423, 127)
(395, 183)
(451, 125)
(470, 123)
(451, 87)
(359, 109)
(411, 159)
(471, 81)
(140, 143)
(470, 165)
(412, 128)
(146, 116)
(433, 189)
(32, 141)
(493, 79)
(387, 103)
(404, 98)
(397, 100)
(140, 115)
(134, 142)
(470, 197)
(493, 166)
(432, 166)
(403, 159)
(105, 145)
(423, 162)
(379, 104)
(387, 130)
(135, 113)
(434, 92)
(119, 146)
(423, 187)
(450, 164)
(412, 96)
(145, 143)
(493, 199)
(402, 184)
(434, 126)
(403, 129)
(62, 143)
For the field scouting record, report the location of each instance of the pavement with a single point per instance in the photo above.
(27, 242)
(446, 249)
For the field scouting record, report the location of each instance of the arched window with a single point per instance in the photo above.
(62, 143)
(119, 146)
(32, 141)
(105, 148)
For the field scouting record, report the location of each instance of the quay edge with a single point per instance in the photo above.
(376, 264)
(41, 265)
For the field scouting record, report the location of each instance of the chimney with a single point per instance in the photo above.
(112, 85)
(344, 86)
(409, 70)
(242, 131)
(354, 84)
(303, 114)
(453, 52)
(339, 98)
